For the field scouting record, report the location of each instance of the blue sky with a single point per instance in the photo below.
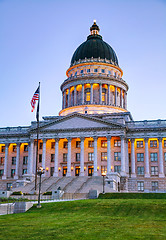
(38, 38)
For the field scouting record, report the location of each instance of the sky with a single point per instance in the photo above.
(39, 37)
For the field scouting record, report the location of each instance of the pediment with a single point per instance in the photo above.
(77, 121)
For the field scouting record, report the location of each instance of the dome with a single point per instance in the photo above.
(94, 47)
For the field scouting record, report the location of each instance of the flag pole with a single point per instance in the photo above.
(37, 147)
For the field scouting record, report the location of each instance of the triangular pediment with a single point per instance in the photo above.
(78, 121)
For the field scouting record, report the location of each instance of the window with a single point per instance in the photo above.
(1, 172)
(2, 160)
(103, 156)
(40, 158)
(140, 157)
(81, 71)
(14, 148)
(90, 144)
(153, 143)
(90, 157)
(140, 170)
(25, 160)
(95, 70)
(153, 157)
(40, 145)
(77, 157)
(13, 171)
(154, 171)
(117, 156)
(165, 156)
(78, 144)
(75, 74)
(25, 148)
(164, 143)
(24, 171)
(65, 144)
(52, 145)
(13, 160)
(64, 157)
(154, 185)
(52, 157)
(103, 96)
(88, 70)
(117, 169)
(103, 70)
(103, 169)
(52, 171)
(3, 149)
(140, 144)
(140, 186)
(87, 96)
(109, 72)
(104, 143)
(117, 143)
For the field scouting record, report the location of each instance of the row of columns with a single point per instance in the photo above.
(123, 99)
(124, 157)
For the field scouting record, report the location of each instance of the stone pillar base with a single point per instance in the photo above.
(81, 174)
(55, 174)
(15, 177)
(68, 174)
(133, 175)
(3, 177)
(161, 175)
(147, 175)
(95, 174)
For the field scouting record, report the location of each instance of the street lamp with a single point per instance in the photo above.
(40, 171)
(103, 174)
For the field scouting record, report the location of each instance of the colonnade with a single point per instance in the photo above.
(107, 95)
(124, 157)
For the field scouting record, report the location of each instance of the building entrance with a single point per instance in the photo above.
(77, 171)
(64, 171)
(90, 171)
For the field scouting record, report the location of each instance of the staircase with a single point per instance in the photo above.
(63, 181)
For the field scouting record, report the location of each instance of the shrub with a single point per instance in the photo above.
(17, 193)
(47, 193)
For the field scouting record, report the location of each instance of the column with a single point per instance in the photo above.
(146, 158)
(95, 156)
(108, 155)
(91, 94)
(64, 99)
(127, 157)
(56, 157)
(82, 94)
(69, 97)
(123, 156)
(115, 96)
(161, 164)
(121, 96)
(125, 100)
(100, 94)
(17, 161)
(6, 159)
(30, 157)
(44, 155)
(82, 157)
(69, 158)
(132, 158)
(108, 103)
(75, 96)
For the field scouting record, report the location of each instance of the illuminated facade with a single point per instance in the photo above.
(93, 134)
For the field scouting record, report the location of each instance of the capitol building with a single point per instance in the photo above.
(93, 135)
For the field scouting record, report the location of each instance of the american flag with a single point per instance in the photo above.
(34, 99)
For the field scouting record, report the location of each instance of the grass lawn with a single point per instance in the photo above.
(89, 219)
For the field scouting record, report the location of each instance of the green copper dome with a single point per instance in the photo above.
(94, 47)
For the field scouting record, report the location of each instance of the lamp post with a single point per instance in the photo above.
(40, 171)
(103, 174)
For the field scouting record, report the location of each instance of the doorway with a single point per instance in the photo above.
(77, 171)
(90, 171)
(64, 171)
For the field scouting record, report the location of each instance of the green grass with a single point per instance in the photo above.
(133, 196)
(89, 219)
